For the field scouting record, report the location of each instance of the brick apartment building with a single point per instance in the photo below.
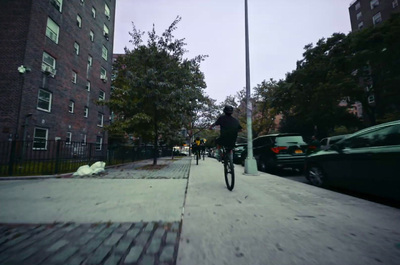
(55, 64)
(366, 13)
(363, 14)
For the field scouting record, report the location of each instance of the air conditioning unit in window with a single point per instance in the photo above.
(103, 78)
(108, 17)
(106, 35)
(49, 70)
(371, 99)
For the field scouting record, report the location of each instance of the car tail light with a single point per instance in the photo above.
(312, 147)
(277, 149)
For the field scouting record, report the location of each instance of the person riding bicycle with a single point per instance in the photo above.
(229, 129)
(196, 146)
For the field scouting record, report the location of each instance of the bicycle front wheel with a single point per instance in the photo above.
(229, 171)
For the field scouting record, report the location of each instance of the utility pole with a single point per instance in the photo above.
(250, 163)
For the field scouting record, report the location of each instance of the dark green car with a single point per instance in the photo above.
(367, 161)
(239, 153)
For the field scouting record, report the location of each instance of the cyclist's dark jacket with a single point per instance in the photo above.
(229, 130)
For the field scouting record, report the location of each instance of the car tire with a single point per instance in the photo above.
(262, 165)
(315, 176)
(265, 165)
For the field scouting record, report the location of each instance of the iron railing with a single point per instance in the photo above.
(24, 158)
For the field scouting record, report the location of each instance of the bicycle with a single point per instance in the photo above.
(229, 171)
(197, 154)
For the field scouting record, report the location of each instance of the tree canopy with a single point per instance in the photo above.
(333, 75)
(154, 86)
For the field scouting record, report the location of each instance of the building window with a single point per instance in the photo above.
(91, 36)
(84, 139)
(103, 74)
(107, 11)
(93, 12)
(57, 4)
(44, 100)
(377, 18)
(79, 21)
(40, 139)
(52, 30)
(358, 6)
(68, 140)
(88, 85)
(74, 77)
(106, 32)
(104, 53)
(395, 3)
(360, 25)
(100, 119)
(374, 3)
(76, 48)
(86, 112)
(102, 95)
(71, 106)
(48, 64)
(99, 143)
(82, 2)
(359, 15)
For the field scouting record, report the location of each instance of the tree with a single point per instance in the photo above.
(153, 87)
(203, 113)
(264, 112)
(361, 66)
(309, 97)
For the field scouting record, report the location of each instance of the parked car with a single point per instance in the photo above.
(366, 161)
(327, 142)
(239, 153)
(278, 151)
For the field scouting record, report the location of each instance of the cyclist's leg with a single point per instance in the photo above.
(218, 141)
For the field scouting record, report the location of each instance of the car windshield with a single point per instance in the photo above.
(285, 140)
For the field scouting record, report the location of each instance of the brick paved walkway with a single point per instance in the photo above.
(105, 243)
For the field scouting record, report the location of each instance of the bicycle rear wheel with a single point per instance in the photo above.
(229, 171)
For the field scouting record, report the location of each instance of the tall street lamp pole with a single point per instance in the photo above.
(250, 163)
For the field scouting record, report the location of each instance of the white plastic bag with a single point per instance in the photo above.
(83, 171)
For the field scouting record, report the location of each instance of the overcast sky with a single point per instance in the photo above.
(278, 32)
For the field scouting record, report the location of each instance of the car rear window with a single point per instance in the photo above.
(284, 140)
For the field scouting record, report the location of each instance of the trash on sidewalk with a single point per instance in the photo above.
(87, 170)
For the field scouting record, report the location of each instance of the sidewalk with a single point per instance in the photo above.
(129, 215)
(272, 220)
(132, 215)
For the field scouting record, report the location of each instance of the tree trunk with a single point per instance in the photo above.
(155, 154)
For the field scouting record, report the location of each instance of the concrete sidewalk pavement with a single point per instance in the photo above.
(271, 220)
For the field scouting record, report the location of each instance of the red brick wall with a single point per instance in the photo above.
(14, 21)
(59, 121)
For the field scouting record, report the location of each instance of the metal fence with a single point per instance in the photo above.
(23, 158)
